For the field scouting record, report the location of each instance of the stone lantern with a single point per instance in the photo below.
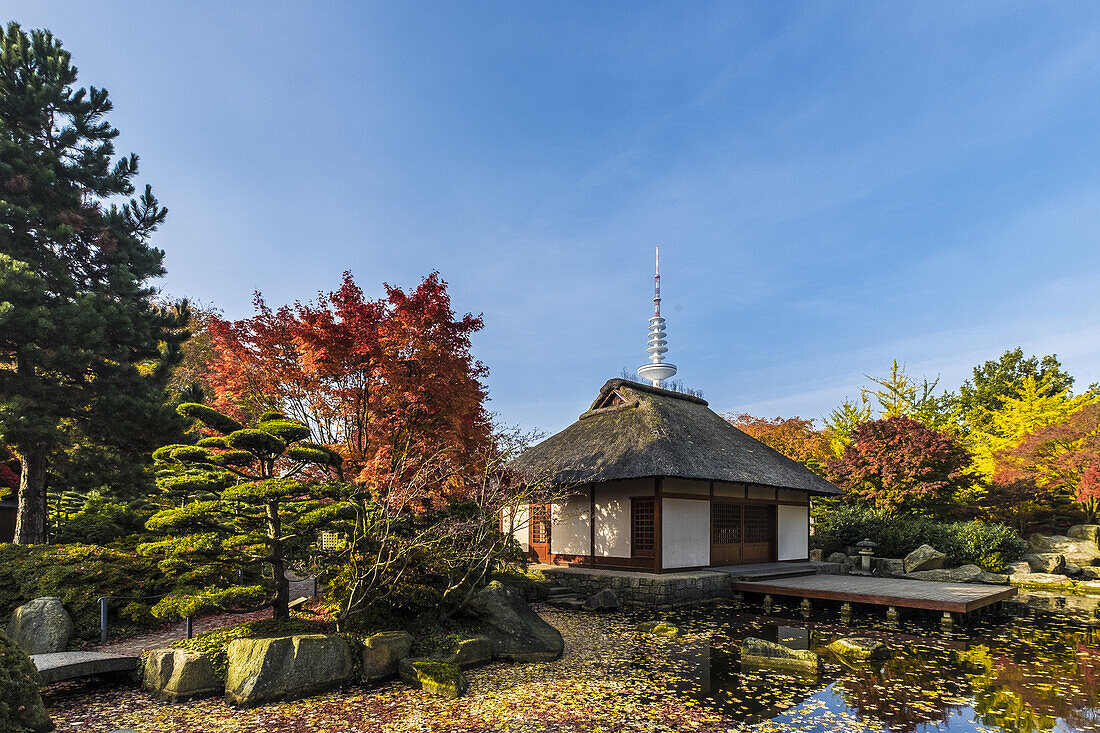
(866, 551)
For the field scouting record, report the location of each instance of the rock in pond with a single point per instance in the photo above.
(285, 667)
(1042, 581)
(961, 574)
(924, 557)
(659, 628)
(41, 626)
(1078, 552)
(435, 676)
(855, 649)
(605, 600)
(516, 632)
(472, 652)
(179, 674)
(762, 653)
(381, 653)
(1045, 562)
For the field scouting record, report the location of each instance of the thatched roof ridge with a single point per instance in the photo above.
(636, 431)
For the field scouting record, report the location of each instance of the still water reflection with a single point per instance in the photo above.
(1026, 675)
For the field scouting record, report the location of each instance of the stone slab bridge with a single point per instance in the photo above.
(61, 666)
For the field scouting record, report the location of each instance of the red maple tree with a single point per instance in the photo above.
(1060, 462)
(794, 437)
(389, 383)
(900, 464)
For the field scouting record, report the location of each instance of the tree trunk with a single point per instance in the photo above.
(30, 521)
(281, 606)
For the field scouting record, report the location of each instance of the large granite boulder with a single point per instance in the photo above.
(961, 574)
(285, 667)
(1084, 532)
(1045, 562)
(472, 652)
(1020, 566)
(382, 652)
(516, 632)
(768, 654)
(837, 557)
(21, 707)
(434, 676)
(179, 674)
(41, 626)
(605, 600)
(890, 567)
(858, 649)
(1076, 551)
(924, 557)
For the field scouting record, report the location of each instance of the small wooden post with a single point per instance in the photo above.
(738, 600)
(767, 605)
(806, 607)
(846, 613)
(947, 622)
(891, 616)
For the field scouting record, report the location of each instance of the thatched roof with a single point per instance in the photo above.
(636, 431)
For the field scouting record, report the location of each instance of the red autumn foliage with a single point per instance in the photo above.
(1060, 462)
(389, 383)
(792, 436)
(899, 464)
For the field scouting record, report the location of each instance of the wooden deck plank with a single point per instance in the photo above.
(954, 597)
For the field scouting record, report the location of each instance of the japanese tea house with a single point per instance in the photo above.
(657, 481)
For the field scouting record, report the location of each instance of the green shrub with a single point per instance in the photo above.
(79, 575)
(214, 643)
(990, 546)
(21, 707)
(100, 522)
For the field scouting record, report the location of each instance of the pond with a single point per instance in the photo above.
(1018, 675)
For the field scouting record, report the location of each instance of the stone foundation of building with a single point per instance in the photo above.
(643, 589)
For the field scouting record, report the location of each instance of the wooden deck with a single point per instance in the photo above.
(951, 597)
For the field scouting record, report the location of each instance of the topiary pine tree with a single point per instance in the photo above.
(81, 341)
(241, 502)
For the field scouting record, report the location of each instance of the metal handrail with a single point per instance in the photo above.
(103, 613)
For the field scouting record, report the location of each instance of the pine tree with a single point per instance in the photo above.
(81, 342)
(241, 503)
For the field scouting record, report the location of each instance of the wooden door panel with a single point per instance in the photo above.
(538, 528)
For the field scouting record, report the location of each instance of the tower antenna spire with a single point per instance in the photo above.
(657, 370)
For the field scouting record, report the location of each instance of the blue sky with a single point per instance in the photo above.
(833, 185)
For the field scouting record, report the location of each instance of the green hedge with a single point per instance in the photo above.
(21, 707)
(991, 546)
(79, 575)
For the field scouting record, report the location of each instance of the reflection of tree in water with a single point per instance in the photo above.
(918, 685)
(1034, 679)
(1023, 683)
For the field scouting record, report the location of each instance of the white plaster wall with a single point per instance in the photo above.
(685, 533)
(721, 488)
(613, 515)
(793, 532)
(761, 492)
(517, 522)
(792, 495)
(569, 532)
(685, 486)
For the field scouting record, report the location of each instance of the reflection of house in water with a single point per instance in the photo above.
(656, 481)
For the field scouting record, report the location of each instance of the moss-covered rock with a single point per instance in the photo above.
(285, 668)
(659, 628)
(472, 652)
(768, 654)
(21, 707)
(434, 676)
(857, 649)
(382, 652)
(179, 674)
